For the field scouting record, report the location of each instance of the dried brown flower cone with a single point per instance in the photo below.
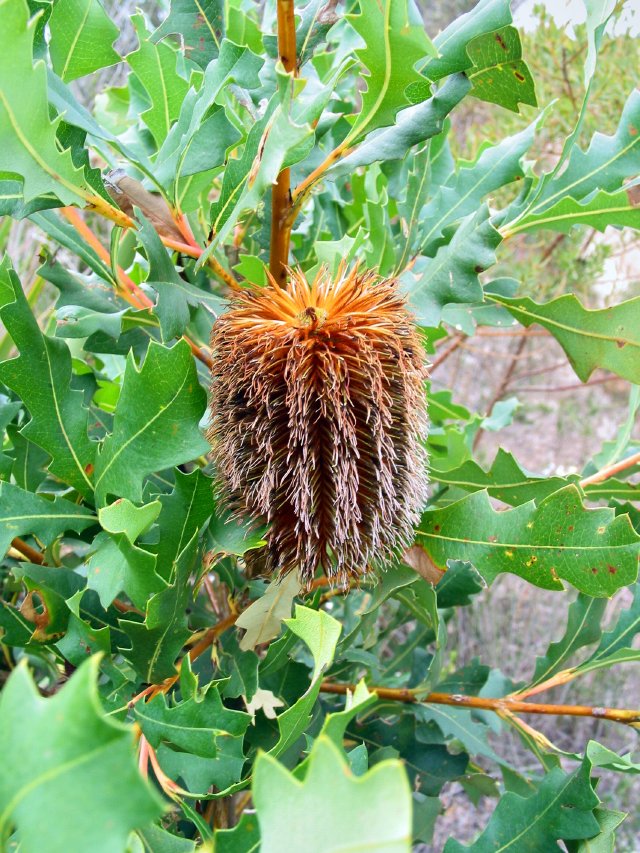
(318, 419)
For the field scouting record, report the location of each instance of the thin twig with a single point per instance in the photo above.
(630, 717)
(128, 289)
(575, 386)
(444, 355)
(611, 470)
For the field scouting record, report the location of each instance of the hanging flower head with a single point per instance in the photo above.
(319, 418)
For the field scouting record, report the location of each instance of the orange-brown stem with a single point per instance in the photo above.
(281, 194)
(27, 551)
(618, 715)
(611, 470)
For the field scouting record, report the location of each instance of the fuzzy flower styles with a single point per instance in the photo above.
(318, 420)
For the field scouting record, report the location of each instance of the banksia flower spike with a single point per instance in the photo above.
(318, 419)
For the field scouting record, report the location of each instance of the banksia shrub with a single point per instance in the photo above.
(318, 419)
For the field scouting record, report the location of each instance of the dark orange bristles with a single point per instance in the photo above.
(319, 420)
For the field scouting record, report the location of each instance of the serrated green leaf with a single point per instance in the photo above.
(174, 295)
(194, 726)
(504, 480)
(605, 841)
(604, 337)
(451, 276)
(155, 67)
(160, 841)
(117, 563)
(561, 808)
(461, 581)
(599, 211)
(183, 513)
(499, 74)
(458, 723)
(156, 643)
(616, 645)
(60, 757)
(320, 632)
(273, 143)
(200, 24)
(155, 424)
(12, 201)
(372, 811)
(27, 135)
(557, 540)
(486, 17)
(81, 37)
(603, 167)
(234, 64)
(23, 513)
(495, 167)
(243, 838)
(583, 629)
(414, 125)
(41, 376)
(393, 47)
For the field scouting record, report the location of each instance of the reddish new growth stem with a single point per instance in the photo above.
(281, 195)
(129, 290)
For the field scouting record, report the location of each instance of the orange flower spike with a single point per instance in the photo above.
(319, 419)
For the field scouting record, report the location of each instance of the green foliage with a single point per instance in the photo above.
(340, 726)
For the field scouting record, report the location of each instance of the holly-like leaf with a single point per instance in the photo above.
(81, 37)
(486, 17)
(60, 758)
(234, 64)
(195, 726)
(451, 276)
(372, 811)
(23, 512)
(199, 23)
(603, 167)
(174, 295)
(155, 424)
(414, 125)
(273, 143)
(505, 480)
(616, 645)
(156, 643)
(394, 45)
(243, 838)
(320, 632)
(619, 209)
(499, 74)
(155, 67)
(27, 134)
(183, 513)
(495, 167)
(41, 376)
(117, 563)
(605, 337)
(556, 540)
(583, 629)
(562, 807)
